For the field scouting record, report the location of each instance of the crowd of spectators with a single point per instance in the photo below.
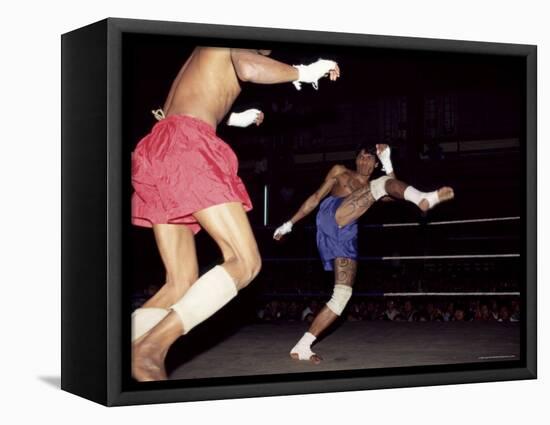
(397, 310)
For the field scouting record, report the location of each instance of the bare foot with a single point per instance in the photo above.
(314, 358)
(444, 194)
(147, 362)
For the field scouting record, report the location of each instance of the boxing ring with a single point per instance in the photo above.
(222, 347)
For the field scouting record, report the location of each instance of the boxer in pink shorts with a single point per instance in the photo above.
(185, 178)
(180, 168)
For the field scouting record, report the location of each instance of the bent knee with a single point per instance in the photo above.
(340, 297)
(252, 265)
(245, 267)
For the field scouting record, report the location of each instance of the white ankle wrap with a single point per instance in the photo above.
(145, 319)
(208, 294)
(340, 297)
(378, 187)
(415, 196)
(303, 347)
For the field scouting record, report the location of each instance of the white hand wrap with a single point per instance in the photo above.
(244, 119)
(313, 72)
(284, 229)
(385, 160)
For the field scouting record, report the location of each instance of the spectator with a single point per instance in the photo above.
(433, 314)
(408, 313)
(353, 313)
(449, 312)
(391, 311)
(371, 312)
(293, 312)
(310, 310)
(494, 309)
(503, 314)
(515, 311)
(484, 314)
(458, 315)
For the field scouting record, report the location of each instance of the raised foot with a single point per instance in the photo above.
(147, 365)
(444, 194)
(314, 358)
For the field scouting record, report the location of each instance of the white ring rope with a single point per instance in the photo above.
(441, 294)
(400, 257)
(439, 223)
(403, 294)
(439, 257)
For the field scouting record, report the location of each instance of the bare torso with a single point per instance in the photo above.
(205, 87)
(347, 182)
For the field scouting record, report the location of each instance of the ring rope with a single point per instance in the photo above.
(403, 257)
(400, 294)
(439, 223)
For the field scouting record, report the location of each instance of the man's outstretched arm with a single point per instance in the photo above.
(251, 66)
(311, 202)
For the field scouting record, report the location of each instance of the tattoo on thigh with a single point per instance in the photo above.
(356, 203)
(345, 271)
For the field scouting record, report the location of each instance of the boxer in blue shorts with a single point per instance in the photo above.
(344, 196)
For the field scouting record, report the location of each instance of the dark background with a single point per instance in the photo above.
(450, 119)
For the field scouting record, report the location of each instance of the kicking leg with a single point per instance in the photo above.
(229, 227)
(354, 206)
(424, 200)
(345, 270)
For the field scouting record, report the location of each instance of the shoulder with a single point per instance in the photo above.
(337, 170)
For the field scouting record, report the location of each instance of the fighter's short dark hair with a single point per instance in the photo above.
(368, 147)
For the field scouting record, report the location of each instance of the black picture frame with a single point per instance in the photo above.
(94, 324)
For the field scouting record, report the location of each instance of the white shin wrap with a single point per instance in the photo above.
(211, 292)
(145, 319)
(378, 187)
(340, 297)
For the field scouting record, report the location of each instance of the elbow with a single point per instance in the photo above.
(246, 71)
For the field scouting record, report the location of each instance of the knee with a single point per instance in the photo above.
(381, 186)
(248, 267)
(252, 266)
(340, 297)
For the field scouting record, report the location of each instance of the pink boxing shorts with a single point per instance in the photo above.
(182, 167)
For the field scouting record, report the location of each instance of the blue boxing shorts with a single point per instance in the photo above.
(333, 241)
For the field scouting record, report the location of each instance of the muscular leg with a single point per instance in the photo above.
(401, 190)
(345, 270)
(176, 245)
(229, 227)
(354, 206)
